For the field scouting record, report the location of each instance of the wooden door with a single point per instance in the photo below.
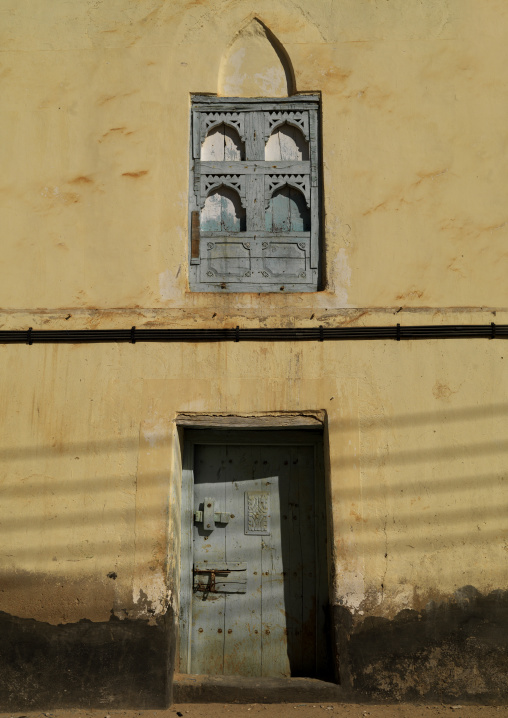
(259, 557)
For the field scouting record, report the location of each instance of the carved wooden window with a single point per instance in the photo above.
(254, 201)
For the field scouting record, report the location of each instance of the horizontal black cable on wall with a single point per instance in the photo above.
(235, 334)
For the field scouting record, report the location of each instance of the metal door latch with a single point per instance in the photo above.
(210, 586)
(209, 517)
(220, 577)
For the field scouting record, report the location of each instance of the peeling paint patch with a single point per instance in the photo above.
(351, 587)
(235, 78)
(269, 81)
(55, 194)
(152, 597)
(402, 596)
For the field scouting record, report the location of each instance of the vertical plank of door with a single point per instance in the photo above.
(275, 661)
(208, 615)
(186, 561)
(242, 636)
(303, 475)
(293, 570)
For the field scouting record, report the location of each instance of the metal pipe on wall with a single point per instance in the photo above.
(262, 334)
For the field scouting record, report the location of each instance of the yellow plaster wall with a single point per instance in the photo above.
(93, 212)
(93, 200)
(91, 480)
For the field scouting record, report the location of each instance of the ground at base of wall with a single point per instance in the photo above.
(283, 710)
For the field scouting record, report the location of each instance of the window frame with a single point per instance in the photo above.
(255, 181)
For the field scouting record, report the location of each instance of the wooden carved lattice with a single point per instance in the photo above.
(257, 513)
(275, 182)
(269, 147)
(297, 119)
(209, 120)
(211, 182)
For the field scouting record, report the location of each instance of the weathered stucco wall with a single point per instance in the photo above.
(95, 172)
(417, 473)
(93, 201)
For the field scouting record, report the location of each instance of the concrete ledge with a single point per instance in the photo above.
(240, 689)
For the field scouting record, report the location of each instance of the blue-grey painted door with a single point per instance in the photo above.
(257, 606)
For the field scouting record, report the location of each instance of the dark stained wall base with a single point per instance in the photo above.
(454, 650)
(115, 664)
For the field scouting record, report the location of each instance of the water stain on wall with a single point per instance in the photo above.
(114, 663)
(452, 649)
(139, 173)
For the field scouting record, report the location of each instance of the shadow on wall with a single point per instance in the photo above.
(426, 471)
(457, 649)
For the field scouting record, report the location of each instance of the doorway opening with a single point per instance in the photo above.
(254, 569)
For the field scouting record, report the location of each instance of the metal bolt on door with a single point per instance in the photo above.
(256, 566)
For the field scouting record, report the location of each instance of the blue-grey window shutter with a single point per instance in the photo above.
(254, 195)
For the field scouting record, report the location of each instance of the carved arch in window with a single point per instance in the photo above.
(287, 142)
(287, 211)
(222, 143)
(298, 182)
(258, 215)
(223, 211)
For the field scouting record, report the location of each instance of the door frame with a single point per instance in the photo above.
(275, 435)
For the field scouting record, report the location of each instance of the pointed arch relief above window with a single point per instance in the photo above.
(256, 65)
(254, 178)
